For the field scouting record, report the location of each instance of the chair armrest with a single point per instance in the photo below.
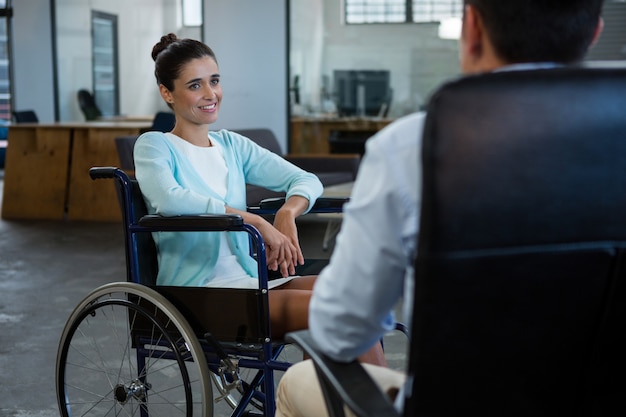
(344, 383)
(327, 162)
(322, 205)
(200, 222)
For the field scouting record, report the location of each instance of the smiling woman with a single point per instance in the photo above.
(192, 170)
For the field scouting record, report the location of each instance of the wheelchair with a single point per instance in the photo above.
(135, 348)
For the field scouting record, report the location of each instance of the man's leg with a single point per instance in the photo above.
(299, 393)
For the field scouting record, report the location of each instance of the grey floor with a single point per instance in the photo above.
(46, 268)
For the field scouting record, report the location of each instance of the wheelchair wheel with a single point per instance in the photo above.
(127, 351)
(287, 353)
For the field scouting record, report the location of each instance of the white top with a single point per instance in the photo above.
(210, 164)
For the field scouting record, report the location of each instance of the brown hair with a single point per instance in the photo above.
(171, 53)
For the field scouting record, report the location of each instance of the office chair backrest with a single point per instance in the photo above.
(25, 116)
(349, 141)
(125, 146)
(164, 121)
(263, 137)
(520, 295)
(88, 105)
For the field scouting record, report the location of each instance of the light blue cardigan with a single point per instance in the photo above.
(171, 186)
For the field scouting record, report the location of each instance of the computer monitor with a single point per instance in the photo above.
(362, 92)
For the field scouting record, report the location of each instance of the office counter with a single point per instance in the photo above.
(46, 172)
(46, 167)
(310, 134)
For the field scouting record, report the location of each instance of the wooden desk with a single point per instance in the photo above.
(310, 134)
(46, 172)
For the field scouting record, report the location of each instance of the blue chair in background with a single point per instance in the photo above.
(163, 121)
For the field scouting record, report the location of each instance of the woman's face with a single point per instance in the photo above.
(197, 93)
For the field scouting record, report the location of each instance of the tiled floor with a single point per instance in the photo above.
(46, 268)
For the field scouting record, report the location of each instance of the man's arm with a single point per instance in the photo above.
(354, 296)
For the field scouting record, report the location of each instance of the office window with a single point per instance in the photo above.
(105, 68)
(192, 12)
(5, 75)
(401, 11)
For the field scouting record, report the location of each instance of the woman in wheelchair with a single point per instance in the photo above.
(192, 170)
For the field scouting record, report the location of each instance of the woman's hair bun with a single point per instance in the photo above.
(165, 41)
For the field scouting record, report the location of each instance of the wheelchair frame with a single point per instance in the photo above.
(181, 318)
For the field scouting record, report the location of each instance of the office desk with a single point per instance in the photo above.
(310, 134)
(46, 172)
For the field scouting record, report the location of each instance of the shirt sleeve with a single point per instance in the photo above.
(267, 169)
(355, 294)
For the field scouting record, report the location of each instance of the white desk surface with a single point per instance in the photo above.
(338, 190)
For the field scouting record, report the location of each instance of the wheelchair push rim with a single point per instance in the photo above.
(127, 350)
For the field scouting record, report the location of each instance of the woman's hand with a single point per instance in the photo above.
(281, 253)
(285, 222)
(282, 247)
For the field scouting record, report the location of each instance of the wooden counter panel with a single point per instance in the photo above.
(89, 199)
(47, 170)
(310, 135)
(35, 174)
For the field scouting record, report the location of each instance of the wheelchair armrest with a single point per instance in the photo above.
(344, 383)
(97, 173)
(199, 222)
(322, 205)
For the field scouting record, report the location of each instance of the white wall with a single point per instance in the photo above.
(141, 23)
(249, 38)
(33, 83)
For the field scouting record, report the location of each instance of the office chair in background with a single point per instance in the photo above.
(25, 116)
(88, 105)
(163, 121)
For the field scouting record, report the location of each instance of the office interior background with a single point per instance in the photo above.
(277, 57)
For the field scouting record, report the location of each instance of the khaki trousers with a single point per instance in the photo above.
(299, 393)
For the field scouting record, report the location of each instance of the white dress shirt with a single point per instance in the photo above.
(355, 294)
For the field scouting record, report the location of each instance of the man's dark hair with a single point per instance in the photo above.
(540, 30)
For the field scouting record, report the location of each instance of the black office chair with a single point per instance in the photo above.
(88, 105)
(125, 146)
(520, 274)
(163, 121)
(349, 141)
(25, 116)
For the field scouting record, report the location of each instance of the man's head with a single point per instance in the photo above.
(499, 32)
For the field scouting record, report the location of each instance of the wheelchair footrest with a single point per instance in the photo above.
(231, 367)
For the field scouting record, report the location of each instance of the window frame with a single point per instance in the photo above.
(106, 94)
(6, 12)
(410, 16)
